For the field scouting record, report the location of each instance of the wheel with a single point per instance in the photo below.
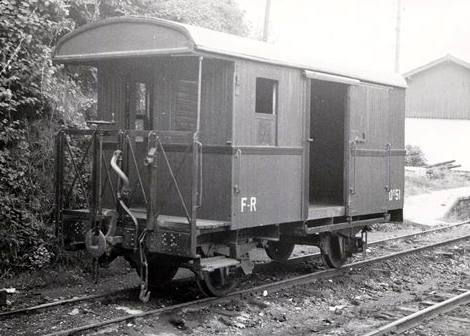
(331, 253)
(160, 272)
(332, 262)
(279, 250)
(216, 283)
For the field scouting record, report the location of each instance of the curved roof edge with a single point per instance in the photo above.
(218, 43)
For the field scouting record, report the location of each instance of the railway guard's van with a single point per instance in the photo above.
(207, 145)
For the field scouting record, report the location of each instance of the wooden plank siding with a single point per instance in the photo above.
(111, 107)
(368, 111)
(168, 75)
(216, 185)
(376, 120)
(217, 100)
(275, 181)
(397, 140)
(216, 131)
(291, 92)
(274, 175)
(440, 92)
(176, 107)
(111, 98)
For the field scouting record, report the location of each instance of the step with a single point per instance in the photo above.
(214, 263)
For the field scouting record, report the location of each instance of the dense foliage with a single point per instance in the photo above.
(414, 156)
(37, 96)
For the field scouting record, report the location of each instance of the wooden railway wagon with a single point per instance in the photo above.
(208, 145)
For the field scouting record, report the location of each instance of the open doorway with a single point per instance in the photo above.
(327, 150)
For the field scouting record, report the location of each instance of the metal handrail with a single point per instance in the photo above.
(137, 169)
(116, 156)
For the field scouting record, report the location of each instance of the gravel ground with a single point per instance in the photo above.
(340, 306)
(351, 304)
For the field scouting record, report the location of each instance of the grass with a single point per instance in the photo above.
(75, 270)
(415, 185)
(53, 275)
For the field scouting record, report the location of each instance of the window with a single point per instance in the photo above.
(141, 107)
(266, 96)
(266, 112)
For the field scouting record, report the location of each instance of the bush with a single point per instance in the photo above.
(414, 156)
(22, 217)
(30, 91)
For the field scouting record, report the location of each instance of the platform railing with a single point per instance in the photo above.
(93, 152)
(100, 175)
(159, 142)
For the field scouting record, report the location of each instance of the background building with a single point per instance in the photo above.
(438, 110)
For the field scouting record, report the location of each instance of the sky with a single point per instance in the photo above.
(362, 32)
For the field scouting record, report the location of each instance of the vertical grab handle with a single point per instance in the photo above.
(352, 189)
(199, 152)
(236, 186)
(388, 149)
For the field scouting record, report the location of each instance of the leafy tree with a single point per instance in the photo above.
(28, 29)
(221, 15)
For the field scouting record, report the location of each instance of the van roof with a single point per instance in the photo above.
(142, 36)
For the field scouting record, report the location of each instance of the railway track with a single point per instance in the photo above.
(32, 309)
(302, 258)
(275, 286)
(413, 320)
(294, 260)
(422, 233)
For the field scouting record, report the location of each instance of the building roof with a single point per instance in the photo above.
(439, 90)
(139, 36)
(446, 58)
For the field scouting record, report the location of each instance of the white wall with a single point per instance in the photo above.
(440, 139)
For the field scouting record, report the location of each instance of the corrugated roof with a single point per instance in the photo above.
(446, 58)
(213, 42)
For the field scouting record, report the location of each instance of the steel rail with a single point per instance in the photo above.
(410, 235)
(63, 302)
(275, 286)
(415, 319)
(299, 259)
